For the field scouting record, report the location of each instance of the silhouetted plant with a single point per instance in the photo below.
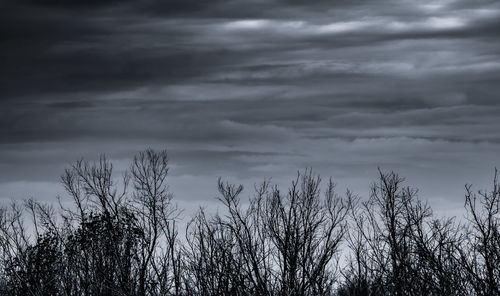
(480, 252)
(36, 269)
(120, 237)
(282, 244)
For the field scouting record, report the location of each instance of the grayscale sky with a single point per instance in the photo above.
(248, 90)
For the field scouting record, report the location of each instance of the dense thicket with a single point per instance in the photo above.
(120, 237)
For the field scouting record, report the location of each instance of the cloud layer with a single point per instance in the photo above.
(253, 89)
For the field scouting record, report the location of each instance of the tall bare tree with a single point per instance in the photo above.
(120, 237)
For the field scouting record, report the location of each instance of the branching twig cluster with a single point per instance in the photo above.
(121, 238)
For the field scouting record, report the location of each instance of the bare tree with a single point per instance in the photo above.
(156, 215)
(480, 253)
(213, 264)
(120, 237)
(283, 244)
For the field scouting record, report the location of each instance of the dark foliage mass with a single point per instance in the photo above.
(120, 237)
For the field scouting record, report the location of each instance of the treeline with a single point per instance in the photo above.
(122, 238)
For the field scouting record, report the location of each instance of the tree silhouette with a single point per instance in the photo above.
(120, 237)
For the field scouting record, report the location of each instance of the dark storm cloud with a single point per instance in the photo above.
(56, 58)
(251, 89)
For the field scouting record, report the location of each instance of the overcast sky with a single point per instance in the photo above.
(248, 90)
